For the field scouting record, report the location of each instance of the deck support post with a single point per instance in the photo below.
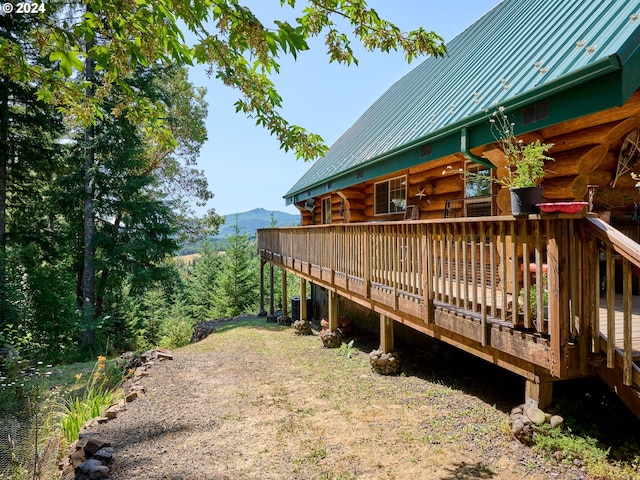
(538, 393)
(272, 311)
(285, 299)
(263, 312)
(386, 334)
(303, 300)
(333, 310)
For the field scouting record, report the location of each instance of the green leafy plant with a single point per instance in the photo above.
(602, 199)
(346, 349)
(533, 295)
(568, 448)
(99, 394)
(524, 165)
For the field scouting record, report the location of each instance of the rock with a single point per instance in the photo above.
(517, 426)
(77, 458)
(556, 421)
(302, 327)
(105, 455)
(331, 339)
(202, 330)
(99, 473)
(164, 354)
(89, 465)
(95, 443)
(384, 363)
(112, 412)
(536, 415)
(131, 396)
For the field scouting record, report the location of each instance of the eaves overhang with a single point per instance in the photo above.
(473, 131)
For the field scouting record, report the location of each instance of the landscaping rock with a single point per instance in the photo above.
(556, 421)
(385, 363)
(302, 327)
(526, 422)
(331, 339)
(536, 415)
(91, 455)
(105, 455)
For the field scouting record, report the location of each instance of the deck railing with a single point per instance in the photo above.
(536, 275)
(618, 268)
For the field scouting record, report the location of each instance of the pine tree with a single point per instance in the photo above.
(237, 287)
(200, 284)
(29, 235)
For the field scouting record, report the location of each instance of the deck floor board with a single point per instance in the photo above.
(619, 322)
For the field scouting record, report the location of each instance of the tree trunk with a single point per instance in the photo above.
(4, 160)
(88, 271)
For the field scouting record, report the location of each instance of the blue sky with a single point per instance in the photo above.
(244, 165)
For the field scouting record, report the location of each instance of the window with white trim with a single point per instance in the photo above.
(391, 196)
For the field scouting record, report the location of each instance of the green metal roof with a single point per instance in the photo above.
(519, 53)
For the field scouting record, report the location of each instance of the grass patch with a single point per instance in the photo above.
(90, 400)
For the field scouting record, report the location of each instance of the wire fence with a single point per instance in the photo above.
(26, 452)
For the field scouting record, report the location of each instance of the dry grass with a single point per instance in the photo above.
(254, 401)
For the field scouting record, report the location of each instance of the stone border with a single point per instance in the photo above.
(91, 456)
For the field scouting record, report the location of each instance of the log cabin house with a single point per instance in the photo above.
(393, 226)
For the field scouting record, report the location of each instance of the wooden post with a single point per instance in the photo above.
(303, 299)
(263, 312)
(386, 334)
(333, 310)
(538, 393)
(559, 284)
(272, 310)
(285, 300)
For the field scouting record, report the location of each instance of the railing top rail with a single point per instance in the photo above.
(437, 221)
(620, 243)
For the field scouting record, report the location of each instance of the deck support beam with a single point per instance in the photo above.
(285, 299)
(303, 300)
(333, 310)
(263, 312)
(386, 334)
(538, 393)
(272, 311)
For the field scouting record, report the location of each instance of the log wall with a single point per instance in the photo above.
(585, 152)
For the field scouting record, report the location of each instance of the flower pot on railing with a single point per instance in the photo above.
(521, 170)
(524, 200)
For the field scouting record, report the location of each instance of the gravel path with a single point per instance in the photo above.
(256, 402)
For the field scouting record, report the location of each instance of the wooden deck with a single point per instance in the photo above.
(464, 281)
(619, 324)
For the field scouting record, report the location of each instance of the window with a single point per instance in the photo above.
(478, 201)
(326, 210)
(477, 181)
(391, 196)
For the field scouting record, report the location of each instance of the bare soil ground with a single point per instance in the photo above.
(253, 401)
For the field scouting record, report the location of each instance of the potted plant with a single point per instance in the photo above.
(533, 298)
(601, 203)
(523, 170)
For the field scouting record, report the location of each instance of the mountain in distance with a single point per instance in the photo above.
(250, 221)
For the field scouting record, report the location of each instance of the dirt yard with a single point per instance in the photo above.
(253, 401)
